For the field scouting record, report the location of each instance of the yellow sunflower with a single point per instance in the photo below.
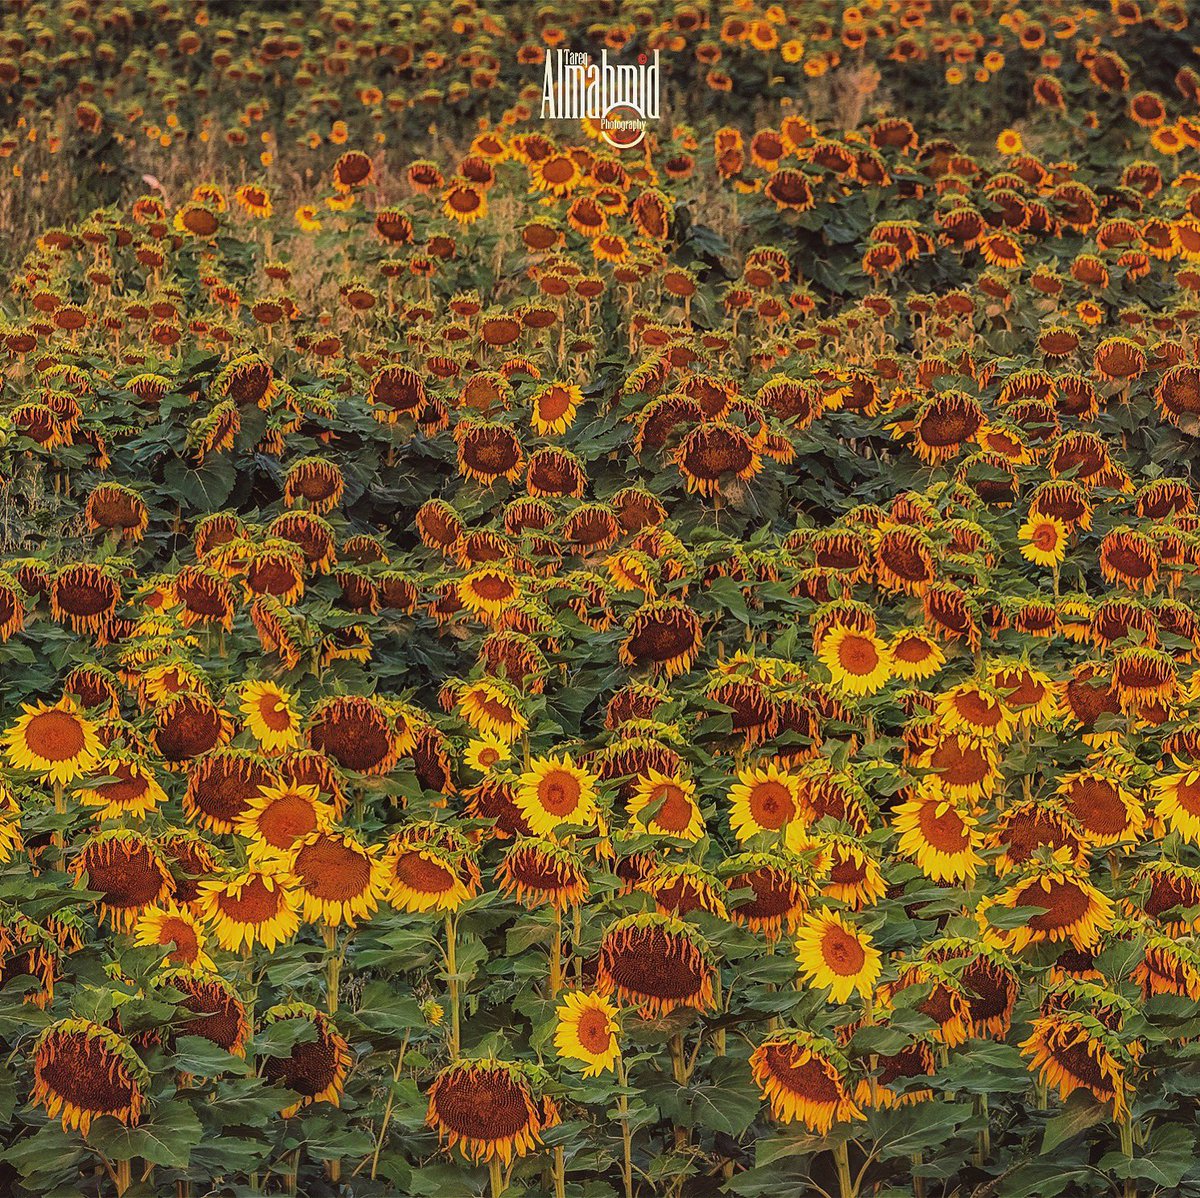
(336, 878)
(587, 1031)
(485, 752)
(555, 791)
(666, 805)
(834, 954)
(939, 834)
(54, 741)
(175, 928)
(859, 661)
(1177, 802)
(270, 716)
(1043, 540)
(764, 799)
(257, 905)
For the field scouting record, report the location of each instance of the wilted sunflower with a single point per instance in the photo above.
(256, 905)
(421, 875)
(488, 1108)
(1072, 1051)
(336, 878)
(128, 872)
(587, 1032)
(540, 872)
(272, 720)
(209, 1007)
(804, 1077)
(834, 954)
(1071, 908)
(84, 1071)
(315, 1068)
(777, 886)
(554, 792)
(492, 707)
(54, 741)
(356, 732)
(657, 963)
(663, 635)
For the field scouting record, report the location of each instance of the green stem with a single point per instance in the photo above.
(333, 968)
(626, 1132)
(846, 1188)
(496, 1176)
(387, 1108)
(556, 977)
(452, 974)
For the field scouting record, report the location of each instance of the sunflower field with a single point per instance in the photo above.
(539, 666)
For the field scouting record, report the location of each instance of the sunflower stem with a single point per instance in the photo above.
(60, 808)
(333, 968)
(1126, 1126)
(841, 1155)
(679, 1070)
(556, 955)
(626, 1132)
(496, 1176)
(983, 1140)
(387, 1108)
(452, 976)
(560, 1173)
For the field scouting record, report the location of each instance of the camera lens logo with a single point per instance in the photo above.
(623, 126)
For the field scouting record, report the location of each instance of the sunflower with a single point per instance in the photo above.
(852, 876)
(587, 1032)
(553, 408)
(777, 891)
(209, 1007)
(176, 928)
(421, 875)
(1043, 540)
(974, 709)
(485, 753)
(270, 716)
(127, 871)
(803, 1076)
(679, 888)
(898, 1069)
(256, 905)
(1177, 802)
(279, 816)
(834, 954)
(555, 791)
(915, 655)
(1106, 812)
(488, 591)
(939, 834)
(539, 872)
(664, 635)
(335, 878)
(1072, 1051)
(356, 732)
(859, 661)
(488, 1108)
(122, 786)
(84, 1071)
(1071, 907)
(492, 707)
(657, 963)
(316, 1068)
(54, 741)
(221, 786)
(764, 799)
(665, 804)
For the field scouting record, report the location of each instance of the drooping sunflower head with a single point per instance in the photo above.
(804, 1077)
(336, 878)
(776, 887)
(176, 929)
(657, 963)
(1072, 1051)
(210, 1007)
(83, 1071)
(537, 871)
(422, 874)
(488, 1108)
(315, 1069)
(127, 870)
(1072, 908)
